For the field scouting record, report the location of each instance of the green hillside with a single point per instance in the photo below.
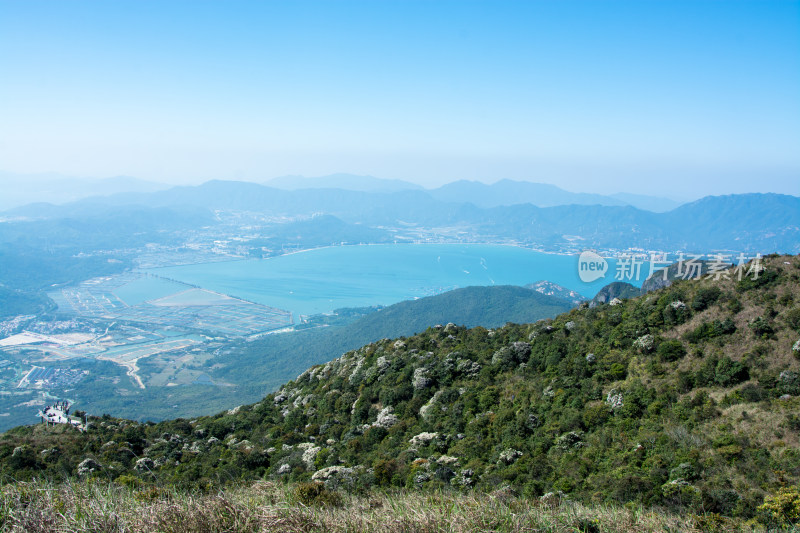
(248, 369)
(470, 306)
(13, 303)
(271, 361)
(685, 399)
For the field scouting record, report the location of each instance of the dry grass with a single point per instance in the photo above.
(265, 507)
(765, 425)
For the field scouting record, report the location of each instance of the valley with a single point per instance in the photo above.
(446, 267)
(182, 310)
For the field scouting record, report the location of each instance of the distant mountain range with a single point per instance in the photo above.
(745, 222)
(508, 192)
(503, 192)
(21, 189)
(656, 204)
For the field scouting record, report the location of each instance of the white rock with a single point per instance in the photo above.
(330, 472)
(424, 438)
(509, 455)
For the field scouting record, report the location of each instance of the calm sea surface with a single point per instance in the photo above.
(324, 279)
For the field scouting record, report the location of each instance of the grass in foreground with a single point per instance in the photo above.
(264, 507)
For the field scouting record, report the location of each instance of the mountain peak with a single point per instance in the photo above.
(549, 288)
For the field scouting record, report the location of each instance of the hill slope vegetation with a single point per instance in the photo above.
(252, 368)
(684, 398)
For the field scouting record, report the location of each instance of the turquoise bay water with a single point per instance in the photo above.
(324, 279)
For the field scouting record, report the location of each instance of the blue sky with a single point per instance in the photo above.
(652, 97)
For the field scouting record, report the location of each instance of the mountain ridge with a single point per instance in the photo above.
(747, 223)
(510, 192)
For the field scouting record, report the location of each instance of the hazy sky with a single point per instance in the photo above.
(654, 97)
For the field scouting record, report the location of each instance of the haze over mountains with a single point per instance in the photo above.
(348, 182)
(22, 189)
(744, 222)
(59, 189)
(502, 192)
(509, 192)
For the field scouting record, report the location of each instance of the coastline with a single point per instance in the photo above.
(334, 279)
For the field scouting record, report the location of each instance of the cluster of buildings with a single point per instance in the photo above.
(46, 378)
(9, 327)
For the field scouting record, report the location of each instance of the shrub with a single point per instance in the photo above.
(685, 471)
(710, 522)
(385, 470)
(792, 318)
(596, 415)
(397, 394)
(764, 279)
(730, 372)
(675, 313)
(671, 350)
(706, 373)
(782, 509)
(616, 371)
(705, 297)
(361, 412)
(724, 327)
(685, 381)
(709, 330)
(128, 480)
(585, 525)
(315, 494)
(762, 328)
(753, 393)
(734, 305)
